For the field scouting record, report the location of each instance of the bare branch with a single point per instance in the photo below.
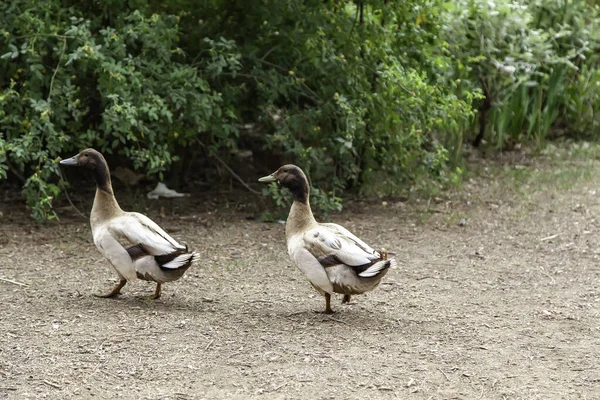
(236, 176)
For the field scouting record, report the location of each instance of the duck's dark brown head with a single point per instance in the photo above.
(291, 177)
(93, 160)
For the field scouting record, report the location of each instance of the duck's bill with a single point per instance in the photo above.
(69, 161)
(268, 178)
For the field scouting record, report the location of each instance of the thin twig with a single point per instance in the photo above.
(362, 13)
(406, 89)
(437, 277)
(548, 275)
(279, 387)
(236, 176)
(446, 376)
(82, 215)
(550, 237)
(312, 92)
(296, 313)
(13, 282)
(54, 385)
(268, 52)
(279, 67)
(15, 171)
(46, 35)
(337, 320)
(236, 74)
(313, 95)
(209, 344)
(354, 23)
(56, 70)
(259, 301)
(425, 277)
(109, 373)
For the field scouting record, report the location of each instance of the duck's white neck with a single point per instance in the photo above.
(300, 219)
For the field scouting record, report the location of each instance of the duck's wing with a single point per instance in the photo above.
(333, 244)
(341, 231)
(113, 251)
(141, 230)
(308, 264)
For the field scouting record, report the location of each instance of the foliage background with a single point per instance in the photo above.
(371, 97)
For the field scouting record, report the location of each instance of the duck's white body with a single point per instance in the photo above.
(331, 257)
(145, 240)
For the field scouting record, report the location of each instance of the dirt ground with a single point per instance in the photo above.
(507, 306)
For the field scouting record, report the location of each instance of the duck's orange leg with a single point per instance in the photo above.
(115, 291)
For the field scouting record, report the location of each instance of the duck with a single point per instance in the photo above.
(135, 246)
(333, 259)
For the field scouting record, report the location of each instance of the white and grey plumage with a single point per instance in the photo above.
(333, 259)
(134, 244)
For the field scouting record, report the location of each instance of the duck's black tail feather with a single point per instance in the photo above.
(377, 268)
(176, 260)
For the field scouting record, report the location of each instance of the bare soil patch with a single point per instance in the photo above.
(507, 306)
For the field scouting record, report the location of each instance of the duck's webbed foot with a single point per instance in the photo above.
(346, 299)
(384, 254)
(156, 294)
(115, 291)
(328, 309)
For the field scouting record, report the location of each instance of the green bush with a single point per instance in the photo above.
(575, 29)
(73, 80)
(377, 97)
(533, 62)
(343, 96)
